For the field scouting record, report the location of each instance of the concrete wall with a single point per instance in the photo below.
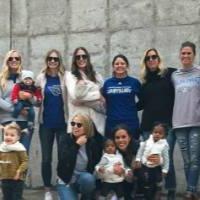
(105, 28)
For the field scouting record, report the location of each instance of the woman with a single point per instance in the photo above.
(120, 92)
(11, 74)
(128, 148)
(53, 113)
(157, 100)
(186, 115)
(82, 74)
(78, 153)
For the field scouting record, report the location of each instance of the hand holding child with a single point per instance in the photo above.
(17, 175)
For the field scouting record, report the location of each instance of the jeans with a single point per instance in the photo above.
(189, 142)
(47, 136)
(12, 189)
(20, 106)
(25, 138)
(84, 184)
(170, 179)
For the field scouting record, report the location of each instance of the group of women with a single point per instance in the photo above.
(91, 109)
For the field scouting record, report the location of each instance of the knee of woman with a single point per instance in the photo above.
(87, 181)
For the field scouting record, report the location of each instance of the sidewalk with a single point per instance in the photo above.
(38, 194)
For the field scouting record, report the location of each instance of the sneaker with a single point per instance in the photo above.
(48, 196)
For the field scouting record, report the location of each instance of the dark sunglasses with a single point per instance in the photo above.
(55, 59)
(78, 57)
(14, 58)
(153, 57)
(79, 125)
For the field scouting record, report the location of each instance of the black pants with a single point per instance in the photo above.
(149, 181)
(12, 189)
(115, 187)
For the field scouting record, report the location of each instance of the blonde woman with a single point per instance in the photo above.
(157, 99)
(52, 114)
(9, 75)
(78, 153)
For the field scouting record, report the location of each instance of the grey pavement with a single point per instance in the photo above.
(38, 194)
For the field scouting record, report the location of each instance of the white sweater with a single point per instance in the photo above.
(97, 118)
(150, 147)
(107, 162)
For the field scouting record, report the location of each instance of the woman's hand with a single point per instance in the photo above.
(101, 170)
(118, 169)
(154, 159)
(81, 140)
(24, 112)
(25, 95)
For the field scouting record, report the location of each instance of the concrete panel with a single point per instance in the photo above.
(4, 48)
(129, 14)
(4, 18)
(131, 43)
(47, 16)
(88, 15)
(19, 17)
(168, 41)
(177, 12)
(40, 45)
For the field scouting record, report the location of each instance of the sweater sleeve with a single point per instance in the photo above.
(23, 161)
(5, 104)
(15, 92)
(165, 156)
(140, 152)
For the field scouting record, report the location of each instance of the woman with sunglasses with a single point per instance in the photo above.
(52, 114)
(157, 99)
(120, 93)
(78, 153)
(186, 116)
(83, 77)
(9, 75)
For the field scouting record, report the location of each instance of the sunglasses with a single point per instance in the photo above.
(78, 57)
(55, 59)
(153, 57)
(79, 125)
(14, 58)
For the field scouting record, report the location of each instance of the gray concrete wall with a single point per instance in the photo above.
(105, 28)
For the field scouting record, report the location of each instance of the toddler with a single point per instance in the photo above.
(13, 163)
(105, 171)
(152, 163)
(26, 85)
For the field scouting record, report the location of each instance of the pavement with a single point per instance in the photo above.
(38, 194)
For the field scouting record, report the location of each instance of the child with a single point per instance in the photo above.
(13, 163)
(27, 85)
(152, 162)
(104, 169)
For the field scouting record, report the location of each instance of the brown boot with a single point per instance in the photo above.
(188, 196)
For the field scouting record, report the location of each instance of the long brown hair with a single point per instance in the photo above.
(89, 71)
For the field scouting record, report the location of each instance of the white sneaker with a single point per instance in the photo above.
(48, 196)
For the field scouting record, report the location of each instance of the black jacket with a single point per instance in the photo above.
(157, 99)
(67, 154)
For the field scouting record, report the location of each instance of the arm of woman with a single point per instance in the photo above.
(5, 103)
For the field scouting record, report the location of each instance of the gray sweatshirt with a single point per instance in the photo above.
(6, 106)
(186, 112)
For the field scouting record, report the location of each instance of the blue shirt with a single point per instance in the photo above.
(53, 114)
(120, 95)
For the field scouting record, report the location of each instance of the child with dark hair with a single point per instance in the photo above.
(105, 171)
(26, 85)
(13, 163)
(152, 163)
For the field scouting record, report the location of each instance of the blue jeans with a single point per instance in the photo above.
(85, 185)
(20, 106)
(189, 142)
(170, 179)
(47, 136)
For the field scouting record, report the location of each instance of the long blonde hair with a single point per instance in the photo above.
(5, 68)
(61, 69)
(161, 67)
